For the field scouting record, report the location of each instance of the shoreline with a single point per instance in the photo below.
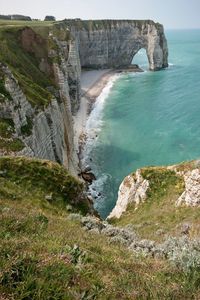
(92, 84)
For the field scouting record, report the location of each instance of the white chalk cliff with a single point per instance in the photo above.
(135, 187)
(113, 43)
(67, 47)
(132, 190)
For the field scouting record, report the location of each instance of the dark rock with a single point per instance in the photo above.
(131, 68)
(90, 199)
(89, 177)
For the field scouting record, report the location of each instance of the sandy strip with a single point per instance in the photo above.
(92, 84)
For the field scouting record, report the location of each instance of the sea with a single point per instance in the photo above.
(145, 119)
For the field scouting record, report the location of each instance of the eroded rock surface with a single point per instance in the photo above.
(191, 195)
(46, 132)
(132, 190)
(113, 43)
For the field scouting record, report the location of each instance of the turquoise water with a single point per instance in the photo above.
(148, 119)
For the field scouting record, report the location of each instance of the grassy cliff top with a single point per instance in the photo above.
(158, 215)
(15, 23)
(107, 23)
(45, 253)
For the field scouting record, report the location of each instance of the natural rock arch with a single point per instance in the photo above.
(113, 43)
(141, 58)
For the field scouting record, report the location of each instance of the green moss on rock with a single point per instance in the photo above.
(6, 128)
(27, 128)
(4, 94)
(11, 145)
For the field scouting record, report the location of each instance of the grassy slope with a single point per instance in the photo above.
(33, 178)
(25, 64)
(158, 215)
(38, 257)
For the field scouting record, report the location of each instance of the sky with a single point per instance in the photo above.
(171, 13)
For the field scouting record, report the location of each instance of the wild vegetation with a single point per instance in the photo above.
(46, 254)
(8, 142)
(158, 216)
(47, 250)
(25, 62)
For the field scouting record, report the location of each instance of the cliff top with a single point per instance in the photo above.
(107, 23)
(96, 24)
(158, 214)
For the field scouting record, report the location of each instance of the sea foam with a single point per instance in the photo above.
(94, 121)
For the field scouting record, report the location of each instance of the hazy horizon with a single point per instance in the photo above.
(175, 14)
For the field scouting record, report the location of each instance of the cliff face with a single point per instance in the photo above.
(41, 112)
(113, 44)
(132, 190)
(40, 69)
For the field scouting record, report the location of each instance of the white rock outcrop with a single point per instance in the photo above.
(191, 195)
(132, 190)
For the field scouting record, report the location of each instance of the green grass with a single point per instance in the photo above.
(7, 141)
(6, 128)
(38, 178)
(27, 129)
(13, 145)
(158, 215)
(46, 255)
(8, 23)
(25, 64)
(35, 94)
(38, 256)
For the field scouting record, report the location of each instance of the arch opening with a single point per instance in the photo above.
(141, 59)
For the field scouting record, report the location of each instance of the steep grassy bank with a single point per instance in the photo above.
(45, 254)
(22, 50)
(43, 182)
